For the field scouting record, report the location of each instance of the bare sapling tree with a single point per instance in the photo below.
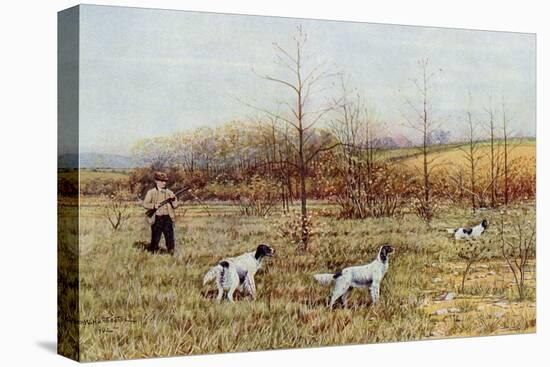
(505, 132)
(517, 245)
(472, 251)
(421, 119)
(299, 109)
(508, 146)
(471, 154)
(117, 211)
(494, 154)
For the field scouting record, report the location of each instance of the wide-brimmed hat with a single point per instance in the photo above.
(161, 176)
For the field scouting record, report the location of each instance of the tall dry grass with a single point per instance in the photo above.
(135, 304)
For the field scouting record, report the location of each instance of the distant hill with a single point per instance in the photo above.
(95, 160)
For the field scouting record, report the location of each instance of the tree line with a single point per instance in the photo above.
(322, 139)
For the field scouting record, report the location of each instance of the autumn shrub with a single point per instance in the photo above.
(298, 230)
(103, 186)
(425, 210)
(257, 198)
(384, 192)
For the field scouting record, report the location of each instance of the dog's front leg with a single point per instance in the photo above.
(250, 285)
(375, 293)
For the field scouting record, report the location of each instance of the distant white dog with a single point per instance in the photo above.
(363, 276)
(464, 233)
(237, 273)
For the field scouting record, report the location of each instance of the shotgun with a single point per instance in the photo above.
(150, 213)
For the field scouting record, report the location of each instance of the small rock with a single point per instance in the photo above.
(455, 273)
(484, 266)
(492, 273)
(437, 333)
(442, 311)
(449, 296)
(498, 315)
(454, 310)
(436, 280)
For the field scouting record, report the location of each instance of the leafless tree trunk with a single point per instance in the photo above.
(424, 123)
(506, 163)
(471, 153)
(494, 154)
(299, 114)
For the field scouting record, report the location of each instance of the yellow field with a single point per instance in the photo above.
(451, 158)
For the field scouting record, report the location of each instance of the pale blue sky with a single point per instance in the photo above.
(151, 72)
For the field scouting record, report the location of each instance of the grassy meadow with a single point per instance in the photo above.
(134, 304)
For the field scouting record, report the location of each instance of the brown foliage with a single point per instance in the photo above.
(258, 198)
(384, 194)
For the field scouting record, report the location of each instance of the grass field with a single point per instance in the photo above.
(135, 304)
(87, 176)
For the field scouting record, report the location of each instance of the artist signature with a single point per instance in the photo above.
(105, 324)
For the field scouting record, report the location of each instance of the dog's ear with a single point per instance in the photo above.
(383, 253)
(385, 250)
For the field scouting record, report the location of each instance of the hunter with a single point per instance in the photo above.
(164, 216)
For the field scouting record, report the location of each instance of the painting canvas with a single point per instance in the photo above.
(232, 183)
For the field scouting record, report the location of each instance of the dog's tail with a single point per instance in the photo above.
(213, 273)
(325, 278)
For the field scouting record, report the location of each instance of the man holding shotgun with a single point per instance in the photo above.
(164, 215)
